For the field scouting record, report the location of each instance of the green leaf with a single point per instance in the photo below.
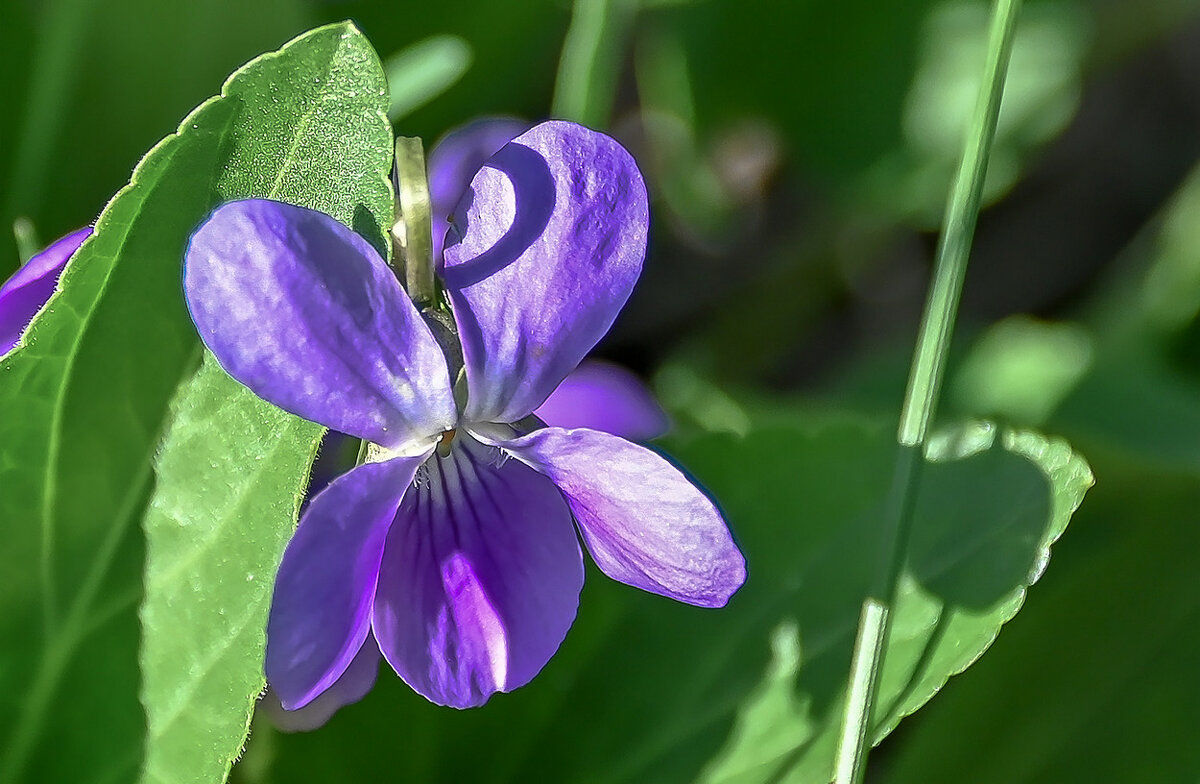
(83, 401)
(1096, 680)
(90, 86)
(233, 468)
(230, 477)
(645, 689)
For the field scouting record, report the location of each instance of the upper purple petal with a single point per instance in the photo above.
(604, 396)
(480, 579)
(321, 608)
(644, 522)
(553, 238)
(24, 294)
(455, 159)
(304, 312)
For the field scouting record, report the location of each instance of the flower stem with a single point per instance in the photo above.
(920, 402)
(587, 70)
(413, 229)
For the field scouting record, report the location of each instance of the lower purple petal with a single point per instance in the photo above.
(24, 294)
(352, 686)
(603, 396)
(480, 578)
(321, 609)
(644, 522)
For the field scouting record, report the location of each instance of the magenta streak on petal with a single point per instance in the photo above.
(470, 617)
(480, 577)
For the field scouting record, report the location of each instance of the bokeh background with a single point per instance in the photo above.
(799, 156)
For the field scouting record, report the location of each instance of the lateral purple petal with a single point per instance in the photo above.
(480, 579)
(553, 238)
(24, 294)
(643, 521)
(455, 159)
(305, 313)
(321, 608)
(607, 397)
(352, 686)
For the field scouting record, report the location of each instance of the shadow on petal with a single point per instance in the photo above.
(533, 204)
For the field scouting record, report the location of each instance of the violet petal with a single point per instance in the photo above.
(643, 521)
(321, 608)
(607, 397)
(353, 684)
(24, 294)
(553, 238)
(454, 160)
(480, 578)
(305, 313)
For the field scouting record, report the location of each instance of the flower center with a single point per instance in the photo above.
(445, 441)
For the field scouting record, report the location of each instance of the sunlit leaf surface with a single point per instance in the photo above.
(1093, 680)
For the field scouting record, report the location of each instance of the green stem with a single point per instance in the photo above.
(56, 54)
(26, 238)
(413, 230)
(921, 398)
(587, 70)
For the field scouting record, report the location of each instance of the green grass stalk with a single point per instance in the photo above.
(920, 402)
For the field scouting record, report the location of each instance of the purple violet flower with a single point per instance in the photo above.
(24, 294)
(452, 548)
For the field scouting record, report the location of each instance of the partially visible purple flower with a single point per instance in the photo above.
(24, 294)
(603, 396)
(453, 546)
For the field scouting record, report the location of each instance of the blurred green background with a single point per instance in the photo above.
(798, 155)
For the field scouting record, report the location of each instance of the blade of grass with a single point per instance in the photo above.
(421, 72)
(921, 397)
(587, 71)
(26, 237)
(56, 55)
